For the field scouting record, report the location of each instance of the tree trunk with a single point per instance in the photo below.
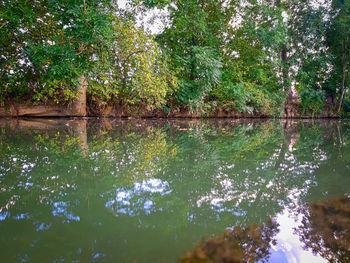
(79, 106)
(284, 68)
(342, 79)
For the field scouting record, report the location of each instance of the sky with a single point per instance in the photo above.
(153, 24)
(150, 20)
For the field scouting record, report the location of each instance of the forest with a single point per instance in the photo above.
(241, 55)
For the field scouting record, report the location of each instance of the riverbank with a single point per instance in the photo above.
(80, 108)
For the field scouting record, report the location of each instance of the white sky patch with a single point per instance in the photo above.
(153, 20)
(122, 3)
(289, 245)
(156, 20)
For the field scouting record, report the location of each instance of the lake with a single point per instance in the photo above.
(103, 190)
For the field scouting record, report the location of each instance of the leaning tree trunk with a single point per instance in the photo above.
(284, 59)
(342, 79)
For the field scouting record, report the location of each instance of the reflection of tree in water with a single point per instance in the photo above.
(326, 229)
(242, 244)
(223, 172)
(50, 182)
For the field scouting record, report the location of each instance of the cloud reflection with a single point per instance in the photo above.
(138, 199)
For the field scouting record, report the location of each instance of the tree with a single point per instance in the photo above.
(192, 42)
(47, 45)
(134, 69)
(338, 37)
(309, 57)
(254, 74)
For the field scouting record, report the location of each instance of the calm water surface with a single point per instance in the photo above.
(148, 191)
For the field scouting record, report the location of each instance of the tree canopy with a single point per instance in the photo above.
(240, 55)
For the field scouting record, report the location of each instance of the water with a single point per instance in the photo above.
(148, 191)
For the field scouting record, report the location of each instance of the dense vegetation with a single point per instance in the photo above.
(244, 55)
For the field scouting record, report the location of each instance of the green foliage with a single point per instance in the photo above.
(346, 112)
(319, 35)
(252, 50)
(338, 38)
(134, 70)
(246, 97)
(203, 77)
(47, 45)
(252, 66)
(312, 100)
(152, 3)
(192, 44)
(311, 78)
(242, 55)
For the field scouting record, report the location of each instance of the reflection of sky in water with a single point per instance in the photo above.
(6, 214)
(231, 190)
(227, 196)
(227, 193)
(3, 215)
(289, 248)
(60, 209)
(43, 226)
(139, 198)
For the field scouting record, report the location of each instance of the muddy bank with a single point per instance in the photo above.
(80, 108)
(118, 111)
